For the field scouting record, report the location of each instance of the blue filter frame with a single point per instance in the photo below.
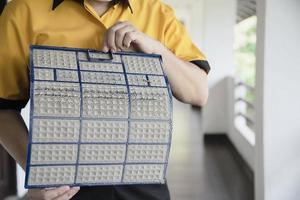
(97, 118)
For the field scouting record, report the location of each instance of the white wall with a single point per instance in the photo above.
(218, 37)
(278, 95)
(215, 113)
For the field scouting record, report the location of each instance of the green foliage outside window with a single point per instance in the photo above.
(245, 52)
(245, 59)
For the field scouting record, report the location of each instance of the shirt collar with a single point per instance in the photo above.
(58, 2)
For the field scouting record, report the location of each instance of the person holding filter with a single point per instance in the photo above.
(147, 26)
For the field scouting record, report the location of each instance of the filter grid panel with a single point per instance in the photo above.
(97, 118)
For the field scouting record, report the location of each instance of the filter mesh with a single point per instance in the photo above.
(97, 118)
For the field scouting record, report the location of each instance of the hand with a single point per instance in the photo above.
(61, 193)
(123, 36)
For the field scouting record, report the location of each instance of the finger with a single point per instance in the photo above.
(69, 194)
(129, 38)
(105, 45)
(111, 35)
(120, 34)
(34, 193)
(53, 193)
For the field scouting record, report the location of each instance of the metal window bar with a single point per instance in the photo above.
(248, 87)
(249, 104)
(247, 118)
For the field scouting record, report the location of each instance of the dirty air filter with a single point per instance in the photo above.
(97, 118)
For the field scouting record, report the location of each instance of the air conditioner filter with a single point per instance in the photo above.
(97, 118)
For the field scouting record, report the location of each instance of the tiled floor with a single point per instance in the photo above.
(202, 172)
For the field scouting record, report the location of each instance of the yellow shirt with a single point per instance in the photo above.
(75, 24)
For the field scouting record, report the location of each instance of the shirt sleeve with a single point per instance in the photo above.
(14, 50)
(177, 39)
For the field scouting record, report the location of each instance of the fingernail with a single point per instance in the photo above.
(105, 49)
(76, 188)
(113, 50)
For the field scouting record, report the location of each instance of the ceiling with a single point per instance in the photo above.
(245, 9)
